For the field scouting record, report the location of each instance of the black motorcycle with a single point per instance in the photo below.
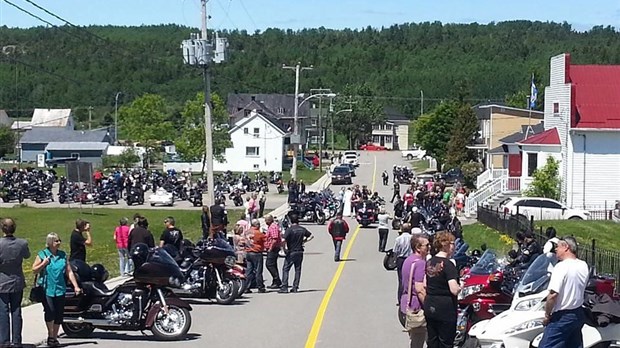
(106, 195)
(236, 197)
(209, 270)
(308, 212)
(144, 302)
(12, 193)
(135, 194)
(43, 192)
(195, 196)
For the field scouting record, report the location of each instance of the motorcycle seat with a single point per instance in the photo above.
(97, 289)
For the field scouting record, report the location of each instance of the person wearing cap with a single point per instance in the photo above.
(338, 229)
(384, 228)
(564, 315)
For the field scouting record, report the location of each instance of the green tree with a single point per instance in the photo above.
(7, 141)
(434, 130)
(546, 182)
(464, 129)
(145, 121)
(191, 142)
(128, 158)
(517, 100)
(357, 125)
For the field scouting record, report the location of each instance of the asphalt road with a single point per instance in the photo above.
(346, 304)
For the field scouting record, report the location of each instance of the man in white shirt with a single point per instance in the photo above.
(564, 316)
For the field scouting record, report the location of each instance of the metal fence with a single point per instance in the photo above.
(604, 261)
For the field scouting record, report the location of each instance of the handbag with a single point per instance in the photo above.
(389, 260)
(414, 319)
(37, 293)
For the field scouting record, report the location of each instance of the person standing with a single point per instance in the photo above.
(13, 251)
(564, 315)
(386, 177)
(141, 234)
(402, 250)
(347, 205)
(384, 228)
(205, 222)
(53, 268)
(121, 236)
(272, 246)
(302, 186)
(80, 239)
(293, 191)
(262, 199)
(293, 242)
(254, 256)
(171, 236)
(414, 287)
(338, 229)
(396, 190)
(219, 218)
(442, 289)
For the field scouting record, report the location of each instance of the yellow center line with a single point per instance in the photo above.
(320, 314)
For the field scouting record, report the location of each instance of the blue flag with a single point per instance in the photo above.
(533, 94)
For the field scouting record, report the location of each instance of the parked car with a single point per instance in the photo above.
(422, 179)
(341, 175)
(413, 153)
(451, 176)
(351, 157)
(542, 209)
(372, 147)
(351, 168)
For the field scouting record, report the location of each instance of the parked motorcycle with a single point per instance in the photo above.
(195, 196)
(308, 212)
(366, 214)
(144, 302)
(135, 194)
(209, 270)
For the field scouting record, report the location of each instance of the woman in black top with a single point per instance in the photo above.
(442, 287)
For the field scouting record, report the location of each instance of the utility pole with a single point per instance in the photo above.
(421, 102)
(296, 139)
(116, 118)
(199, 51)
(90, 117)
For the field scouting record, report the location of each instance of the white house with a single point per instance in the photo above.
(258, 145)
(582, 130)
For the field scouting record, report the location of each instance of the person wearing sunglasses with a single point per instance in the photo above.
(53, 268)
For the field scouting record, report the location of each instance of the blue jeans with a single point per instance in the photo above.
(293, 259)
(564, 330)
(11, 317)
(255, 269)
(337, 248)
(124, 261)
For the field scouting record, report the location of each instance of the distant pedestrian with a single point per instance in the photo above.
(205, 222)
(136, 216)
(293, 191)
(13, 251)
(338, 229)
(273, 244)
(293, 242)
(80, 239)
(396, 190)
(402, 250)
(219, 218)
(564, 315)
(262, 199)
(386, 177)
(121, 236)
(141, 234)
(302, 187)
(254, 256)
(384, 228)
(53, 268)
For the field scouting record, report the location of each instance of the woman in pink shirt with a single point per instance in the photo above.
(121, 236)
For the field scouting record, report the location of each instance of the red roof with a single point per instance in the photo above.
(548, 137)
(596, 95)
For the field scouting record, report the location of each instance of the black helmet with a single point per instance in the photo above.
(99, 273)
(139, 254)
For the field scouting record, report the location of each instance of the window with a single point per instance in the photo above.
(532, 163)
(376, 139)
(251, 151)
(314, 122)
(375, 126)
(550, 204)
(556, 108)
(75, 155)
(246, 131)
(256, 132)
(280, 111)
(388, 139)
(388, 127)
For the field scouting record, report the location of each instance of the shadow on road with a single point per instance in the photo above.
(122, 337)
(203, 302)
(347, 260)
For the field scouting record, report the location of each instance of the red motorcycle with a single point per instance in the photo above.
(484, 293)
(366, 214)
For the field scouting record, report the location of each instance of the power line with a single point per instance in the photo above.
(248, 13)
(39, 18)
(13, 59)
(227, 15)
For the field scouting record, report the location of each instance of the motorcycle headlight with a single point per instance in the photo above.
(469, 290)
(173, 281)
(528, 305)
(531, 324)
(230, 261)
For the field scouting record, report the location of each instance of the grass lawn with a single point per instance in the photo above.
(420, 165)
(477, 234)
(606, 233)
(34, 224)
(305, 174)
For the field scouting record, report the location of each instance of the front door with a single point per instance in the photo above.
(514, 165)
(382, 141)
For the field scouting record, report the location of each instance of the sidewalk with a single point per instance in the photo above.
(35, 332)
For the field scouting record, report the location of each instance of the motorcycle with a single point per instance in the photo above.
(12, 192)
(195, 196)
(135, 194)
(366, 214)
(482, 296)
(144, 302)
(106, 195)
(210, 271)
(236, 197)
(307, 212)
(43, 193)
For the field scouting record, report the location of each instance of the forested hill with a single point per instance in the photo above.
(78, 67)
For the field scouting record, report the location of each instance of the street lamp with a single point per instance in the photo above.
(332, 122)
(116, 117)
(297, 106)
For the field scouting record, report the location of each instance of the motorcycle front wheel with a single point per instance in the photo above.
(78, 330)
(227, 294)
(320, 219)
(242, 285)
(172, 326)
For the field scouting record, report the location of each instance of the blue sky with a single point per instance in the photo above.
(294, 14)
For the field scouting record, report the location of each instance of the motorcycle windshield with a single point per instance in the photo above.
(537, 276)
(487, 264)
(161, 256)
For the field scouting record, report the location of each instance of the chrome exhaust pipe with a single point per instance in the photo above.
(93, 322)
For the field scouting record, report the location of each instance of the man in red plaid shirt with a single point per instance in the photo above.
(338, 228)
(272, 246)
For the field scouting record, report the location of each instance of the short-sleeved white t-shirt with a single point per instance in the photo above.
(569, 279)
